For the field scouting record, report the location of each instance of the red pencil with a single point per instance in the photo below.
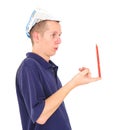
(98, 61)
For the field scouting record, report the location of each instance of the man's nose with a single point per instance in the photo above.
(58, 40)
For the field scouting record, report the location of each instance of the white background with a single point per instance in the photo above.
(84, 23)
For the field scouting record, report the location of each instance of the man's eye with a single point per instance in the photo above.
(54, 34)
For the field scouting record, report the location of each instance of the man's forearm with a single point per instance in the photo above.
(53, 102)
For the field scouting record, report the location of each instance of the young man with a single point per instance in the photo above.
(39, 90)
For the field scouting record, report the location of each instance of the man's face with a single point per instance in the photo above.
(51, 38)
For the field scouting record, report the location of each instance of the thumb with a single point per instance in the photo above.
(85, 72)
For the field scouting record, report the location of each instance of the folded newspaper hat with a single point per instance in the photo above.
(37, 16)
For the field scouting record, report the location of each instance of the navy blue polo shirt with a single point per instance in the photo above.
(36, 80)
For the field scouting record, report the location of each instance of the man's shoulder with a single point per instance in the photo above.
(29, 63)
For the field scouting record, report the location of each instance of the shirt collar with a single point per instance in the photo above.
(42, 61)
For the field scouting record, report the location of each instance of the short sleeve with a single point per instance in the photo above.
(32, 91)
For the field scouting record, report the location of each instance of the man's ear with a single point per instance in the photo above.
(36, 36)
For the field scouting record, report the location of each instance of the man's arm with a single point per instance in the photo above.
(55, 100)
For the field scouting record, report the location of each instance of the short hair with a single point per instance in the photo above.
(38, 27)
